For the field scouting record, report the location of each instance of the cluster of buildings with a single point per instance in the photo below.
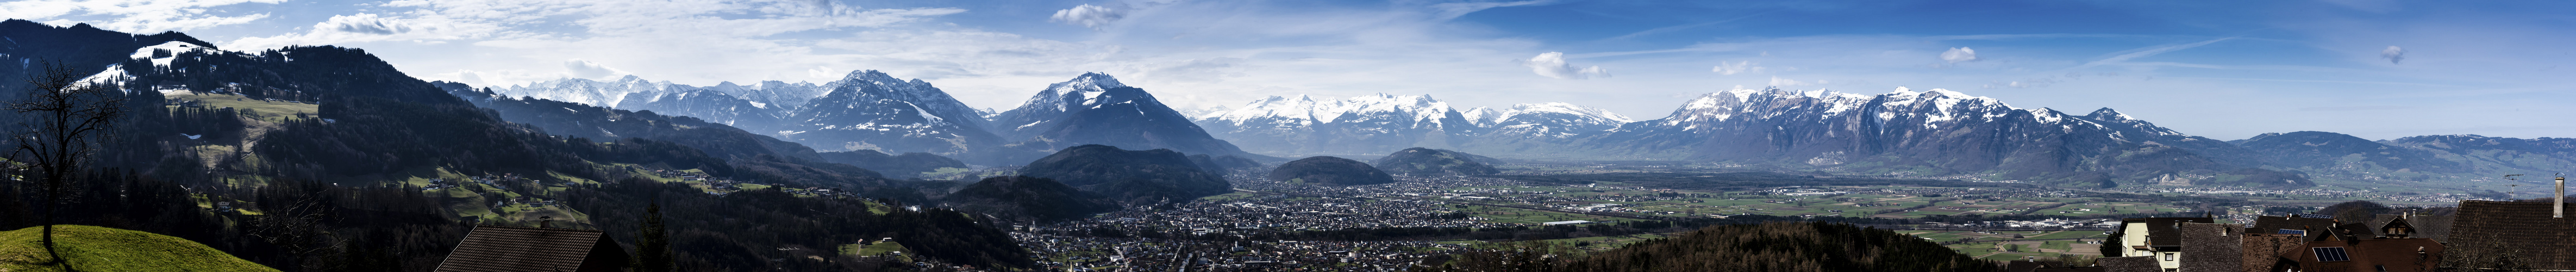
(2483, 235)
(2312, 192)
(1283, 214)
(1066, 253)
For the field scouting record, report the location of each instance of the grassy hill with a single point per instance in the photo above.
(107, 249)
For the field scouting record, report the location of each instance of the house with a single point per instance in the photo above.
(2347, 250)
(2292, 224)
(2437, 228)
(511, 249)
(2157, 237)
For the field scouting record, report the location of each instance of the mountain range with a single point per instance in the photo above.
(1904, 132)
(871, 110)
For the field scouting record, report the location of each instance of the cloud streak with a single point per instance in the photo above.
(1738, 67)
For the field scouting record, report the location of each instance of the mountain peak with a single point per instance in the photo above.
(2108, 114)
(871, 75)
(1087, 82)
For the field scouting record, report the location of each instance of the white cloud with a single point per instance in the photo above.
(578, 68)
(135, 16)
(823, 72)
(2393, 54)
(1738, 67)
(1088, 15)
(1552, 64)
(367, 23)
(1959, 54)
(1777, 81)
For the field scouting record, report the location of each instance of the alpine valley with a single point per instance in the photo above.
(328, 158)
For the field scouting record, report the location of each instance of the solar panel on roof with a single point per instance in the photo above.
(2332, 254)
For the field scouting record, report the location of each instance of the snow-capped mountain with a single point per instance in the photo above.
(775, 95)
(873, 110)
(1358, 125)
(605, 94)
(1919, 133)
(726, 103)
(1553, 120)
(1376, 123)
(1095, 108)
(705, 104)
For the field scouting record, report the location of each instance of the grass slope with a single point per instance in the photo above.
(107, 249)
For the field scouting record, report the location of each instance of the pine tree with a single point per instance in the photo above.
(652, 244)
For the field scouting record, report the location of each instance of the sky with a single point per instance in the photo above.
(2220, 69)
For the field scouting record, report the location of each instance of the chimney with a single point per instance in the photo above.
(2560, 210)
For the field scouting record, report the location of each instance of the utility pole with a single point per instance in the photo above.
(2516, 184)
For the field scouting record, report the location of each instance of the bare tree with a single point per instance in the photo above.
(297, 228)
(63, 121)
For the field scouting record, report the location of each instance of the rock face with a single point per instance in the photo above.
(1096, 109)
(1027, 197)
(1129, 176)
(1330, 171)
(1423, 162)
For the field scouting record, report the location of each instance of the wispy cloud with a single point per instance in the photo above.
(1724, 68)
(138, 16)
(2148, 51)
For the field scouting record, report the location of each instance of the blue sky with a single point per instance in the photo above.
(2223, 69)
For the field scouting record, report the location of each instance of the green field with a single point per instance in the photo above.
(254, 108)
(107, 249)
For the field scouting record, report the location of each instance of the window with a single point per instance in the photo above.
(2169, 256)
(2331, 254)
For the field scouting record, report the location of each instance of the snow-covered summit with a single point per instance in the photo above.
(1306, 110)
(1087, 88)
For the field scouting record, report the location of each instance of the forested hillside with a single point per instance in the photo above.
(329, 159)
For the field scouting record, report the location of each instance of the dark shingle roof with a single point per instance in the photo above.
(2161, 230)
(2273, 224)
(2437, 228)
(2550, 243)
(498, 248)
